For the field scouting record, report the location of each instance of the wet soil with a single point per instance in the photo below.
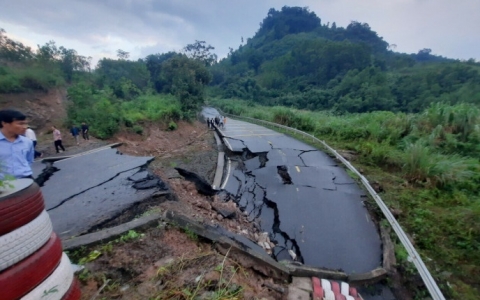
(167, 263)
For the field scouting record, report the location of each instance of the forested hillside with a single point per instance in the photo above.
(117, 93)
(295, 60)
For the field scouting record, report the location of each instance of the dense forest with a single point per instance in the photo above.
(296, 61)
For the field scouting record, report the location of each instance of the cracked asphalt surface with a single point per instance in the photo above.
(88, 190)
(302, 197)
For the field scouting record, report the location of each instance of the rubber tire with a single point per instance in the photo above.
(353, 292)
(23, 241)
(335, 287)
(22, 277)
(344, 288)
(58, 282)
(20, 208)
(329, 295)
(317, 289)
(74, 292)
(326, 285)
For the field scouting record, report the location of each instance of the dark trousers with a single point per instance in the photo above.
(58, 144)
(37, 154)
(85, 135)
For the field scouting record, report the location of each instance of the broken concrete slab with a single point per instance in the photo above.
(109, 234)
(253, 163)
(349, 224)
(88, 190)
(234, 145)
(284, 157)
(300, 270)
(98, 205)
(81, 173)
(317, 158)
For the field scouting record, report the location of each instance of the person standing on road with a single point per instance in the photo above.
(85, 131)
(29, 133)
(75, 131)
(224, 121)
(57, 139)
(16, 150)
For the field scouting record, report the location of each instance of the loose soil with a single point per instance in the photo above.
(166, 262)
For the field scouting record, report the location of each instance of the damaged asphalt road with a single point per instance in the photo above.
(298, 194)
(86, 191)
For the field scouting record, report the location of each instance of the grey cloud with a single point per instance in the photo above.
(163, 25)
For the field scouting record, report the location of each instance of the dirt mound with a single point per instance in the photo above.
(43, 109)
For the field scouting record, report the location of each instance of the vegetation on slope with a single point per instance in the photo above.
(119, 92)
(296, 61)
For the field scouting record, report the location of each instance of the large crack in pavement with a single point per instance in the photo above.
(251, 198)
(95, 186)
(298, 196)
(87, 191)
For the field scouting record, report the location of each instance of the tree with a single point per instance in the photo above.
(186, 78)
(200, 51)
(154, 65)
(12, 50)
(123, 55)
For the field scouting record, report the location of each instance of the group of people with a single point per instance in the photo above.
(218, 121)
(18, 142)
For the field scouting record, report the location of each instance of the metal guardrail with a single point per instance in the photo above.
(430, 283)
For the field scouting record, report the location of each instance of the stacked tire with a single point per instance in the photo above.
(333, 290)
(32, 264)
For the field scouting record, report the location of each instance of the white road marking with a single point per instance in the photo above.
(228, 174)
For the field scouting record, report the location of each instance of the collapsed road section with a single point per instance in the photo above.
(84, 192)
(311, 208)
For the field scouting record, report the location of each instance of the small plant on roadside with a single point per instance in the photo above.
(192, 235)
(107, 248)
(93, 255)
(138, 129)
(172, 126)
(84, 275)
(131, 235)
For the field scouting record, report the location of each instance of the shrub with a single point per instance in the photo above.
(137, 129)
(172, 126)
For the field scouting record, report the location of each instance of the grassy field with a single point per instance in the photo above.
(427, 165)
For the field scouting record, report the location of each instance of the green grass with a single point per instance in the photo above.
(428, 165)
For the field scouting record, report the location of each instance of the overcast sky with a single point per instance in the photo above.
(98, 28)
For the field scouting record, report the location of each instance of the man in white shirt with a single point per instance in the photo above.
(29, 133)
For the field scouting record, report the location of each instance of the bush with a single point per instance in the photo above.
(138, 129)
(172, 126)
